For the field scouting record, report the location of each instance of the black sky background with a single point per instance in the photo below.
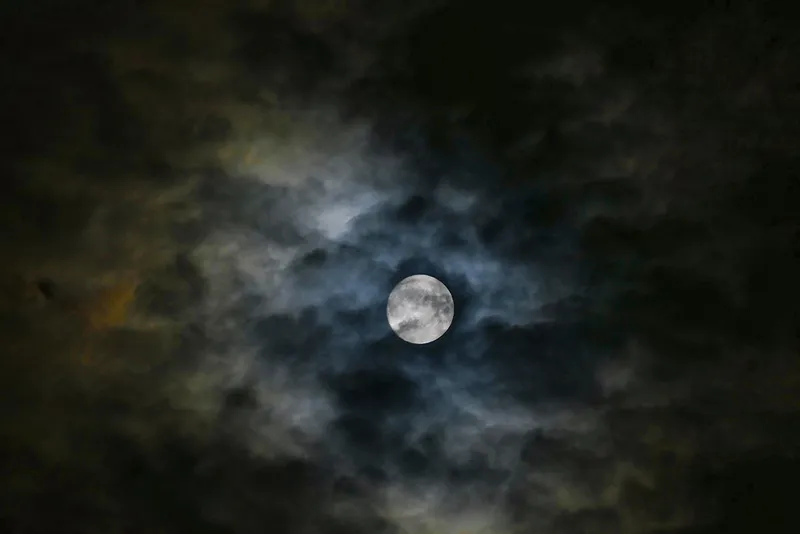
(635, 168)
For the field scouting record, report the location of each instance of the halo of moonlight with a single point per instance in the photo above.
(420, 309)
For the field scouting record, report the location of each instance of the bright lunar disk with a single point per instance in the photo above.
(420, 309)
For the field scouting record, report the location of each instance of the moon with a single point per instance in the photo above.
(420, 309)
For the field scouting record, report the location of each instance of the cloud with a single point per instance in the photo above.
(600, 351)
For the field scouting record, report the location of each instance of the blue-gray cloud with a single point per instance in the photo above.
(621, 311)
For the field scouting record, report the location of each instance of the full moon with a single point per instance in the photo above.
(420, 309)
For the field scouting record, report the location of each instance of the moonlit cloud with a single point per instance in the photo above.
(224, 229)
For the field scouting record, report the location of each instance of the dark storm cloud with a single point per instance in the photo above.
(604, 217)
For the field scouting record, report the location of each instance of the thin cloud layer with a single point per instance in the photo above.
(202, 240)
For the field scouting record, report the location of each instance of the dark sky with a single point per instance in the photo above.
(205, 204)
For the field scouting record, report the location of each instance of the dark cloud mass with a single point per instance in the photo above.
(205, 206)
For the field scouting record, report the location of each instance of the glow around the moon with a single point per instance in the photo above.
(420, 309)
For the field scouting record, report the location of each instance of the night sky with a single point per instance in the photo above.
(205, 204)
